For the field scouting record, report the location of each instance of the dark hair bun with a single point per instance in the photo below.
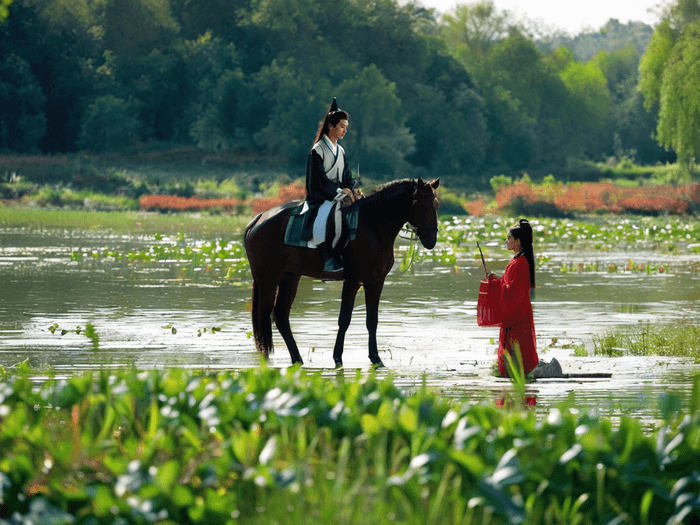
(524, 225)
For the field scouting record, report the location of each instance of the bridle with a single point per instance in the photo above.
(407, 227)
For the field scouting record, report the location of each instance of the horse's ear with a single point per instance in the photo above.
(420, 181)
(434, 184)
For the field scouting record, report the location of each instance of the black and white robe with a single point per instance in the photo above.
(326, 173)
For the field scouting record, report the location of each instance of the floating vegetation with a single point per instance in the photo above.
(88, 332)
(457, 241)
(675, 340)
(607, 233)
(187, 253)
(260, 446)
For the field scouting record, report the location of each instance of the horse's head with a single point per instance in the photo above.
(423, 215)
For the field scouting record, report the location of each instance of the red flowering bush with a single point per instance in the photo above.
(601, 196)
(291, 192)
(174, 203)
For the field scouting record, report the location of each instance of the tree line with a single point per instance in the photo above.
(468, 94)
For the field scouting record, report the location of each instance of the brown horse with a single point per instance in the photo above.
(367, 259)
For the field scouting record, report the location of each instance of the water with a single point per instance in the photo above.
(161, 314)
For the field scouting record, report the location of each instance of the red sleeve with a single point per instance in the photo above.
(513, 289)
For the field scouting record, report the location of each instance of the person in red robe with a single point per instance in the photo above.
(513, 290)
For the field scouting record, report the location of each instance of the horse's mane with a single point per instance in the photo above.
(388, 191)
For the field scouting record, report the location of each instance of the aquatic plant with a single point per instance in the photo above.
(190, 254)
(88, 332)
(604, 234)
(263, 446)
(681, 339)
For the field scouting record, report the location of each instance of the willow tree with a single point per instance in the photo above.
(679, 112)
(670, 77)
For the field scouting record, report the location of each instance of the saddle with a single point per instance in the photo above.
(299, 229)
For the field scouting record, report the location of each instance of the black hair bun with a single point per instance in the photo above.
(334, 106)
(524, 225)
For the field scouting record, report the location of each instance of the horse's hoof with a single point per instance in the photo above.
(378, 364)
(297, 362)
(338, 365)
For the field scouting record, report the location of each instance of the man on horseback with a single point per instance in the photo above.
(329, 185)
(290, 241)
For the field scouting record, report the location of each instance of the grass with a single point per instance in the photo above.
(681, 339)
(263, 446)
(203, 225)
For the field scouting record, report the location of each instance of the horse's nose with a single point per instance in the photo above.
(429, 240)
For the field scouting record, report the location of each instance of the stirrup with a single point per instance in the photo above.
(332, 264)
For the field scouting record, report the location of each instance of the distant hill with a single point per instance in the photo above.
(612, 36)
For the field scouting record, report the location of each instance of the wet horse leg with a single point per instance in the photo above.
(372, 294)
(283, 305)
(350, 289)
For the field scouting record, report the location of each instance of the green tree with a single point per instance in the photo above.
(110, 123)
(471, 30)
(669, 79)
(295, 102)
(133, 28)
(5, 9)
(589, 110)
(679, 113)
(22, 119)
(653, 63)
(378, 138)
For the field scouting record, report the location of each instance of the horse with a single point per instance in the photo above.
(367, 259)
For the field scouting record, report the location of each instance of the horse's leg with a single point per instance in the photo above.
(350, 289)
(261, 308)
(372, 294)
(283, 305)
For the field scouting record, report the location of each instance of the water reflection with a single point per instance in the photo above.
(427, 331)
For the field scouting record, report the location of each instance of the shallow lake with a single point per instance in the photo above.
(161, 314)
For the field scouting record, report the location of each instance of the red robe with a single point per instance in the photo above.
(515, 309)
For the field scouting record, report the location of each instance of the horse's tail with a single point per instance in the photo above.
(262, 331)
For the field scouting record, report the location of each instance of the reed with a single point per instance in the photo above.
(681, 339)
(133, 222)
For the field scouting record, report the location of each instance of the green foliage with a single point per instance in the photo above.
(668, 74)
(467, 95)
(380, 141)
(261, 446)
(678, 339)
(110, 123)
(653, 63)
(22, 118)
(450, 204)
(679, 114)
(589, 91)
(5, 9)
(609, 38)
(500, 181)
